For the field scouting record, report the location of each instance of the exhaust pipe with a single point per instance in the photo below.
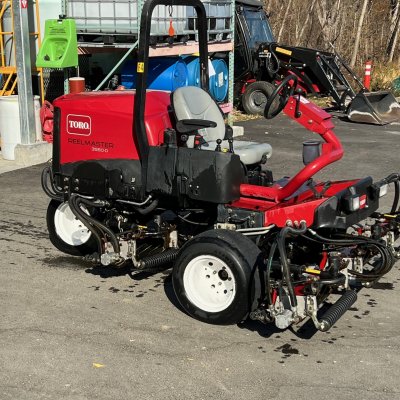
(335, 311)
(378, 108)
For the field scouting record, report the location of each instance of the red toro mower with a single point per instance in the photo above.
(154, 179)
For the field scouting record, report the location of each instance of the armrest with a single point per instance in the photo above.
(192, 125)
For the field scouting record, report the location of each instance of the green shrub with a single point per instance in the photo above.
(383, 76)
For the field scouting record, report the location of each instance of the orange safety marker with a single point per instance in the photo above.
(367, 74)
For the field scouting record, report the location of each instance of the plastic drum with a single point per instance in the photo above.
(164, 73)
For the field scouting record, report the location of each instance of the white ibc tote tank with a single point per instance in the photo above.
(48, 9)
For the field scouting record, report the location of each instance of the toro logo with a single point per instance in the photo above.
(79, 125)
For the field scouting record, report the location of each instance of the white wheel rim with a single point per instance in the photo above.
(69, 228)
(209, 283)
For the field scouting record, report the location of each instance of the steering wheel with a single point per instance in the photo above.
(284, 90)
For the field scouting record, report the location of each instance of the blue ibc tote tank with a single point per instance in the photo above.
(218, 83)
(164, 73)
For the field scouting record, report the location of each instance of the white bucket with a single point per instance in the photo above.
(10, 130)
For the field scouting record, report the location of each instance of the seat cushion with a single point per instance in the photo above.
(249, 152)
(191, 102)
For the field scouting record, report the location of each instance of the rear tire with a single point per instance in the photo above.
(66, 232)
(256, 96)
(216, 277)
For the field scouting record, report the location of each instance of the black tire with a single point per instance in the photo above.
(256, 96)
(88, 247)
(244, 269)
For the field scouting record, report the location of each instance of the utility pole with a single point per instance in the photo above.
(24, 71)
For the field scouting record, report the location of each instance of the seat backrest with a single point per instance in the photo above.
(191, 102)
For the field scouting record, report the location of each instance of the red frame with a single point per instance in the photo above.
(318, 121)
(281, 204)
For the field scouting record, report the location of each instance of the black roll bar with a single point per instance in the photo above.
(139, 129)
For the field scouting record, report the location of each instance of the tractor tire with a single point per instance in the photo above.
(256, 96)
(66, 232)
(217, 277)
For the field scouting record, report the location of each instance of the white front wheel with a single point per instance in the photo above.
(209, 283)
(69, 228)
(67, 233)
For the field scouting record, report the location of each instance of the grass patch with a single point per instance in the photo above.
(383, 77)
(239, 116)
(322, 102)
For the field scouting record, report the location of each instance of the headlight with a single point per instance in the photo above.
(353, 203)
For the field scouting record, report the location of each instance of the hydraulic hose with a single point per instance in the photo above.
(269, 265)
(396, 197)
(394, 178)
(148, 209)
(97, 228)
(281, 241)
(378, 271)
(83, 218)
(384, 267)
(277, 62)
(99, 225)
(53, 193)
(340, 280)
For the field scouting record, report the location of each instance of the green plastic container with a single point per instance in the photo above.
(396, 84)
(60, 46)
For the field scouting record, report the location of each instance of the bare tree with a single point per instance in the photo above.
(305, 24)
(358, 28)
(328, 12)
(289, 5)
(394, 29)
(358, 34)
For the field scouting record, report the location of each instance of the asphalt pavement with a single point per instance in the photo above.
(71, 331)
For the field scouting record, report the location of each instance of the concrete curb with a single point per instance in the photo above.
(32, 154)
(238, 131)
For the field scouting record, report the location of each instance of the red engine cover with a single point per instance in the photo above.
(98, 125)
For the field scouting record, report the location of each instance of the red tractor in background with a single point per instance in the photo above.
(261, 62)
(155, 179)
